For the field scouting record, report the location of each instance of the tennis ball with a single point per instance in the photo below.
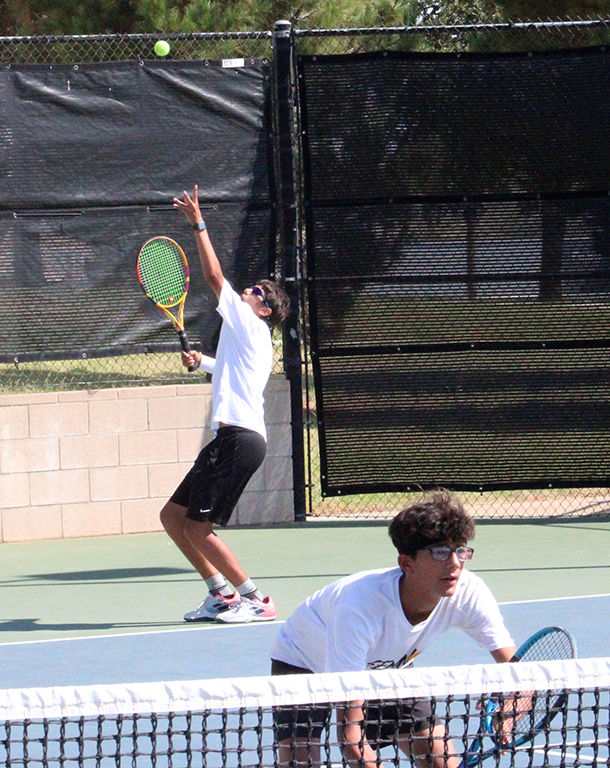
(161, 47)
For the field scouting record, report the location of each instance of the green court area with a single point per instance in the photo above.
(140, 583)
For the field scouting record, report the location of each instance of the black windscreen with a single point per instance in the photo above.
(458, 226)
(92, 156)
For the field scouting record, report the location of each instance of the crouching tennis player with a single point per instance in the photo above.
(383, 619)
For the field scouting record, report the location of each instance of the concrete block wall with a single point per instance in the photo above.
(103, 462)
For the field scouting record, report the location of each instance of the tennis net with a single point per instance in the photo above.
(563, 705)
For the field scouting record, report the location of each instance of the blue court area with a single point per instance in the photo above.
(109, 610)
(211, 651)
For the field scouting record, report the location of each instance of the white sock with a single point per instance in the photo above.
(249, 589)
(217, 585)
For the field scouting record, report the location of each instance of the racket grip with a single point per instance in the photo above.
(184, 343)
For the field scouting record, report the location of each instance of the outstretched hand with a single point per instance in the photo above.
(212, 271)
(189, 206)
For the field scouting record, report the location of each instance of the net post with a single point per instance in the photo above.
(284, 89)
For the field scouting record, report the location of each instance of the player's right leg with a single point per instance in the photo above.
(173, 518)
(297, 730)
(253, 606)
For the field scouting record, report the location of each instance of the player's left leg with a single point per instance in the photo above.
(412, 724)
(430, 748)
(299, 753)
(221, 597)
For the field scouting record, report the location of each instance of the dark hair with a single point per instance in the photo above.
(278, 302)
(439, 519)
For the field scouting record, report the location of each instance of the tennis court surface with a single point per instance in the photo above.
(89, 627)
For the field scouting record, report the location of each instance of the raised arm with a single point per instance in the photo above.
(210, 265)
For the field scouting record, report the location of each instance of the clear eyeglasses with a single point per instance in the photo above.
(444, 553)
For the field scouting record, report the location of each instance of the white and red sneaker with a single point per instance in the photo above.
(250, 609)
(212, 607)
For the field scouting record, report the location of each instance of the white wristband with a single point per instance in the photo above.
(207, 364)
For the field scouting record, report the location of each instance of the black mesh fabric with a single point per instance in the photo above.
(458, 230)
(92, 157)
(73, 278)
(396, 124)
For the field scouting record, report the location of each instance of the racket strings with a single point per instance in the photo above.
(536, 710)
(555, 645)
(163, 273)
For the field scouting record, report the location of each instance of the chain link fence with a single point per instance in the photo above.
(149, 368)
(162, 367)
(67, 49)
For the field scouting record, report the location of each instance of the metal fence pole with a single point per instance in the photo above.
(283, 104)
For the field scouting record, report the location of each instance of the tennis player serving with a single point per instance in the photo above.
(384, 619)
(208, 494)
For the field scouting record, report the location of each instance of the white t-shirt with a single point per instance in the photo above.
(358, 623)
(243, 365)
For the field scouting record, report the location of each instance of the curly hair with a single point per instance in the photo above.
(278, 302)
(439, 519)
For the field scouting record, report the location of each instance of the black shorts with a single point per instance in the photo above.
(384, 720)
(305, 721)
(217, 479)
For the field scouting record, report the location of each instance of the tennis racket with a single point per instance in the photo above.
(163, 272)
(532, 713)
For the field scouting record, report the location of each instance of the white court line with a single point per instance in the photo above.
(552, 599)
(202, 625)
(567, 751)
(225, 627)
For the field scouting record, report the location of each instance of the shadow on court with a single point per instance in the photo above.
(110, 574)
(36, 625)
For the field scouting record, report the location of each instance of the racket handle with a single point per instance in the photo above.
(184, 343)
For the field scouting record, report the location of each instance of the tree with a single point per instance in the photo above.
(489, 11)
(547, 10)
(53, 17)
(15, 16)
(71, 17)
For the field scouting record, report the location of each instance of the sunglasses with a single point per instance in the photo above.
(444, 553)
(261, 295)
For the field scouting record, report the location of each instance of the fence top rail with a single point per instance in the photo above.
(428, 28)
(265, 34)
(176, 36)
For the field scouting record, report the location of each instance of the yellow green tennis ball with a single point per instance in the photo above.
(161, 47)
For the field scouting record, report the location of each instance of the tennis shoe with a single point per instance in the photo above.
(250, 609)
(212, 606)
